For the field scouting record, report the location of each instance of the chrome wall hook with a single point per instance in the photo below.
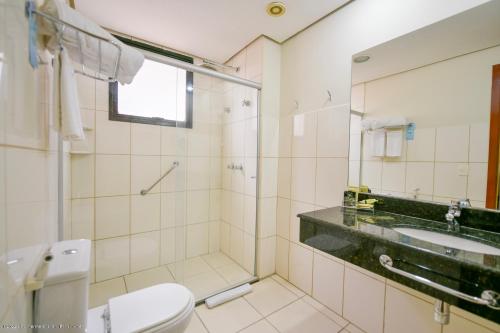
(330, 96)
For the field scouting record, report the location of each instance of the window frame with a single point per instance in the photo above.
(113, 91)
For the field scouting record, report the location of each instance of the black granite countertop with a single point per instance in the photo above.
(360, 237)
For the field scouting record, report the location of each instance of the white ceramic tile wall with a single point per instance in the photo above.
(28, 167)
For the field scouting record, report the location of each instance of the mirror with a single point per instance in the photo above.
(420, 111)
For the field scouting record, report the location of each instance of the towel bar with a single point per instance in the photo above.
(174, 165)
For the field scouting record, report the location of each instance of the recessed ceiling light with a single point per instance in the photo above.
(276, 9)
(361, 58)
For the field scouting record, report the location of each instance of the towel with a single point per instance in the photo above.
(71, 127)
(378, 142)
(394, 143)
(131, 60)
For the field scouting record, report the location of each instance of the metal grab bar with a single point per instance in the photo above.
(174, 165)
(489, 298)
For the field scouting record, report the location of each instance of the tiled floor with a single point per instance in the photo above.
(203, 275)
(273, 306)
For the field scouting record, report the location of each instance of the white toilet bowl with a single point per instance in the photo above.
(163, 308)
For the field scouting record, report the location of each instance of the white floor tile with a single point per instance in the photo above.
(185, 269)
(205, 284)
(229, 317)
(300, 317)
(217, 259)
(268, 296)
(262, 326)
(100, 292)
(326, 311)
(233, 273)
(148, 278)
(288, 285)
(195, 325)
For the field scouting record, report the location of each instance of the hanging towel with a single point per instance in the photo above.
(131, 60)
(70, 119)
(394, 143)
(378, 142)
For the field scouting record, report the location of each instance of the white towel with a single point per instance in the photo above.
(378, 143)
(130, 62)
(394, 143)
(71, 121)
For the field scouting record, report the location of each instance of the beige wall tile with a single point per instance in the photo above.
(197, 239)
(283, 218)
(112, 216)
(301, 267)
(452, 144)
(363, 301)
(476, 182)
(145, 139)
(112, 137)
(331, 181)
(420, 175)
(112, 258)
(479, 142)
(82, 218)
(145, 213)
(303, 179)
(144, 251)
(333, 132)
(112, 175)
(450, 179)
(422, 147)
(328, 282)
(402, 308)
(304, 135)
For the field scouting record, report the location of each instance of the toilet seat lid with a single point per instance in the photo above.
(149, 307)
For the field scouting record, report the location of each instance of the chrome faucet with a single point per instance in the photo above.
(455, 211)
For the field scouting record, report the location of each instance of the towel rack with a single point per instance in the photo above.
(174, 165)
(60, 25)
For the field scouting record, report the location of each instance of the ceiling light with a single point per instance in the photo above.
(361, 58)
(276, 9)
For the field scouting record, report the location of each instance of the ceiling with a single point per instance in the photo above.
(212, 29)
(475, 29)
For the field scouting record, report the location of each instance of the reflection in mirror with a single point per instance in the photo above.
(420, 111)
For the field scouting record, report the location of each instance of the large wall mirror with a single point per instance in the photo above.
(425, 112)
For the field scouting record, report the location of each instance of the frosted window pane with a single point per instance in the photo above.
(158, 90)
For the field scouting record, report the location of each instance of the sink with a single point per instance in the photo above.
(449, 241)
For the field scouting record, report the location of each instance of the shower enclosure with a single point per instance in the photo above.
(195, 226)
(215, 188)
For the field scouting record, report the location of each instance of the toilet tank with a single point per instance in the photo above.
(61, 305)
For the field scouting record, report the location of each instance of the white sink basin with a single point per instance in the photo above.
(449, 241)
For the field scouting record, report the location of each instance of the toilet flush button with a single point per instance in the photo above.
(70, 251)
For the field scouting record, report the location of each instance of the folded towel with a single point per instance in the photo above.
(71, 127)
(378, 142)
(383, 122)
(131, 60)
(394, 143)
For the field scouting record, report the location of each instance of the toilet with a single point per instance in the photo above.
(63, 300)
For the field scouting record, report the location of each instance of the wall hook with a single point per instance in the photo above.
(329, 95)
(296, 103)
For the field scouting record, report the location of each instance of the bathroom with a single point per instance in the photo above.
(250, 166)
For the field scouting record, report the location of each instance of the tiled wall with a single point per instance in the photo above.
(179, 218)
(313, 145)
(28, 165)
(450, 105)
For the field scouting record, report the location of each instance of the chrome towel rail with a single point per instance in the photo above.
(174, 165)
(489, 298)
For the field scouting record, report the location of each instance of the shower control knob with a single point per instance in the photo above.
(245, 102)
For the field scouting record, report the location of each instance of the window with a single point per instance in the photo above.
(160, 94)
